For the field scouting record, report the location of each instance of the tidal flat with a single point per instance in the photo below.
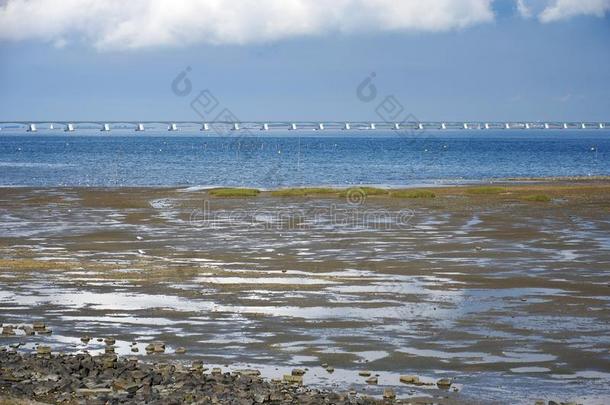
(502, 289)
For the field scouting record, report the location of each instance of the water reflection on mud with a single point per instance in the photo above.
(509, 300)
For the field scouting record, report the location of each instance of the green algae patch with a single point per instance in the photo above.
(234, 192)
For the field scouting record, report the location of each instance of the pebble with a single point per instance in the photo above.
(298, 371)
(444, 383)
(43, 350)
(248, 372)
(389, 393)
(364, 373)
(180, 350)
(371, 380)
(155, 347)
(39, 325)
(409, 379)
(293, 379)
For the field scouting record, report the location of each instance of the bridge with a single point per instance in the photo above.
(226, 126)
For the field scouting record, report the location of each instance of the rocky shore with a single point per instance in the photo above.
(109, 379)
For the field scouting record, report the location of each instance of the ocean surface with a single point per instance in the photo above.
(276, 159)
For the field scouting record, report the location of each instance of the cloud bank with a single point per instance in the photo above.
(132, 24)
(147, 23)
(556, 10)
(564, 9)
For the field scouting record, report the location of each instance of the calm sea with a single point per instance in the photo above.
(159, 158)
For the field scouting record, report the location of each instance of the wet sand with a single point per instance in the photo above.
(506, 296)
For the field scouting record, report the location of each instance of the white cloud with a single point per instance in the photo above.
(124, 24)
(563, 9)
(523, 9)
(556, 10)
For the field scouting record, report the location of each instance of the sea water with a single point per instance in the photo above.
(297, 158)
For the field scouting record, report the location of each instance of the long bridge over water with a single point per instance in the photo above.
(222, 126)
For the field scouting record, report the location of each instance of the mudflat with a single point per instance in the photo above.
(502, 290)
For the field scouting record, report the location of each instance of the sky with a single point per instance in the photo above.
(479, 60)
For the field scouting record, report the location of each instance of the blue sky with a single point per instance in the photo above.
(460, 64)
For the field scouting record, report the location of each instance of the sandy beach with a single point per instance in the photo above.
(488, 287)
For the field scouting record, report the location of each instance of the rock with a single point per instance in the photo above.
(389, 393)
(109, 349)
(180, 350)
(298, 371)
(85, 339)
(260, 397)
(135, 349)
(108, 360)
(293, 379)
(43, 350)
(216, 371)
(330, 369)
(444, 383)
(93, 391)
(324, 365)
(39, 325)
(138, 374)
(124, 385)
(409, 379)
(8, 330)
(110, 341)
(371, 380)
(156, 347)
(28, 330)
(364, 373)
(249, 372)
(44, 331)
